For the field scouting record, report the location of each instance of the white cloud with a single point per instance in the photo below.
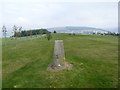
(40, 14)
(38, 1)
(21, 20)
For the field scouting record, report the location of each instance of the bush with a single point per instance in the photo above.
(49, 36)
(74, 34)
(54, 32)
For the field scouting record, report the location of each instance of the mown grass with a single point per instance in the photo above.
(0, 63)
(94, 59)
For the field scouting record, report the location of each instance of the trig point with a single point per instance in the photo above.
(59, 57)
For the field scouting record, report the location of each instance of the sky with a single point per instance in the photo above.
(31, 14)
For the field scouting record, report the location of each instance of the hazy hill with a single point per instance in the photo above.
(74, 29)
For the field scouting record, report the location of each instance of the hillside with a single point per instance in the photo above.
(76, 29)
(94, 59)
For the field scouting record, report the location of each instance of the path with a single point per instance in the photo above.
(33, 37)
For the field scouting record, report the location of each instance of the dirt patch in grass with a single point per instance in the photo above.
(66, 66)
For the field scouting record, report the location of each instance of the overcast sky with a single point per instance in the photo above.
(56, 13)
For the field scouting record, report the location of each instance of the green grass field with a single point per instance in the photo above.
(0, 63)
(94, 59)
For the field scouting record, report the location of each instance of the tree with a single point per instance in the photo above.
(15, 31)
(4, 33)
(31, 33)
(27, 34)
(41, 32)
(20, 29)
(74, 34)
(54, 32)
(49, 36)
(15, 34)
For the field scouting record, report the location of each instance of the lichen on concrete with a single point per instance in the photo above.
(59, 62)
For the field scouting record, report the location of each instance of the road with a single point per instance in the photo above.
(33, 37)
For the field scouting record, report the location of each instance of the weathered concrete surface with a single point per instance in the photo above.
(59, 57)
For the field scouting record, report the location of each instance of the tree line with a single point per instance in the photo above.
(23, 33)
(18, 32)
(30, 32)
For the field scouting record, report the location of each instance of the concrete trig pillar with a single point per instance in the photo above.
(59, 55)
(59, 62)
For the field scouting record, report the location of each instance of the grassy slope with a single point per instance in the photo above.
(94, 60)
(0, 63)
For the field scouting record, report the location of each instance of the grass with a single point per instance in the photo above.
(0, 63)
(94, 59)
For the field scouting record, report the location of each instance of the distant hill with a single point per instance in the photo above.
(76, 29)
